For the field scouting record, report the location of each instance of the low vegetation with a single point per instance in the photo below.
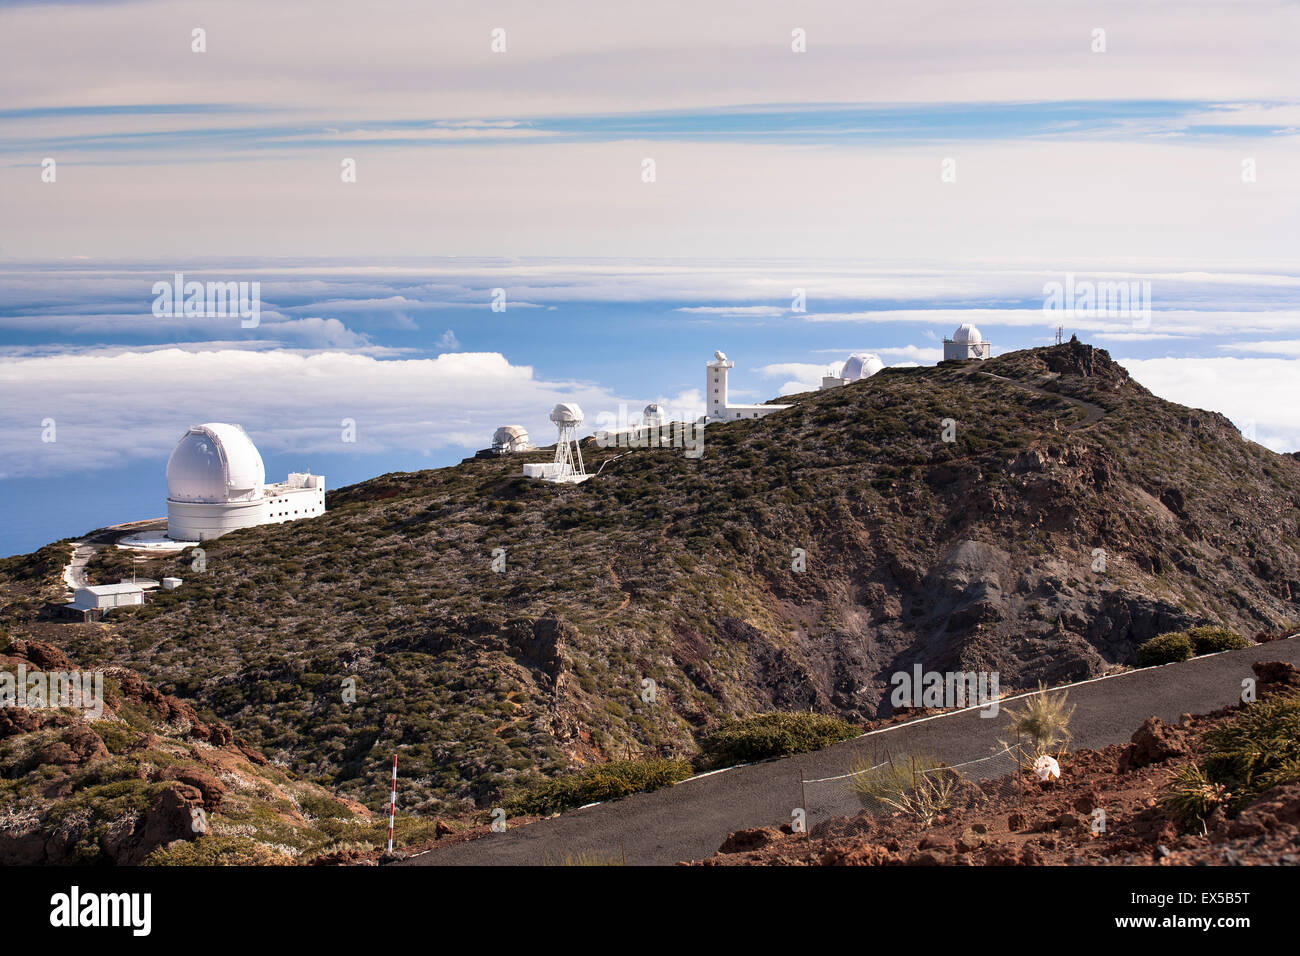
(912, 784)
(597, 784)
(771, 735)
(1190, 796)
(1212, 640)
(1256, 750)
(1175, 646)
(1167, 648)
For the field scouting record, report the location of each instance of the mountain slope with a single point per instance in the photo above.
(975, 553)
(147, 780)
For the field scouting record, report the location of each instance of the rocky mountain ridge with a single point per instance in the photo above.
(1071, 516)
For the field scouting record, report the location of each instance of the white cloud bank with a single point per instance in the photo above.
(110, 407)
(1259, 394)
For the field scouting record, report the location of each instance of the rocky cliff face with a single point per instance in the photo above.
(1039, 514)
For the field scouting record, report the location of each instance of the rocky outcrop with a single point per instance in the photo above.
(171, 816)
(1154, 742)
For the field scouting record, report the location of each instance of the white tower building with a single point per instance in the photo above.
(719, 409)
(216, 483)
(716, 386)
(966, 343)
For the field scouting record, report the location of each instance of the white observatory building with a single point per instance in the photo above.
(216, 483)
(966, 343)
(715, 391)
(567, 468)
(860, 365)
(509, 439)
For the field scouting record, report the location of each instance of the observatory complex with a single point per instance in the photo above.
(216, 483)
(966, 343)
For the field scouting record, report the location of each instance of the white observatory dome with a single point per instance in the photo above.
(967, 334)
(215, 462)
(861, 365)
(509, 435)
(653, 415)
(566, 413)
(720, 355)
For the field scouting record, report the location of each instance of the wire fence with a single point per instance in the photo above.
(908, 782)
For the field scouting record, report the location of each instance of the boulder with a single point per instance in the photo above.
(1153, 742)
(743, 841)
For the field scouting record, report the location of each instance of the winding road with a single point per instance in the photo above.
(689, 821)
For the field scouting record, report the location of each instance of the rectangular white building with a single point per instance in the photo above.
(103, 597)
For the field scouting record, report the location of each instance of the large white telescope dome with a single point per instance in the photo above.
(213, 463)
(967, 334)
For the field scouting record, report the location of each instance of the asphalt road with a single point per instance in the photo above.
(690, 820)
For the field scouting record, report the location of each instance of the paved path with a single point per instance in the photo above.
(74, 573)
(690, 820)
(83, 549)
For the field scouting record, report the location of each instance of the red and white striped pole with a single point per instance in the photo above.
(392, 806)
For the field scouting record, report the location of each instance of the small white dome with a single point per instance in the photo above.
(566, 413)
(215, 462)
(653, 415)
(720, 356)
(861, 365)
(967, 334)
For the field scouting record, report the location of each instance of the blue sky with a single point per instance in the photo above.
(914, 168)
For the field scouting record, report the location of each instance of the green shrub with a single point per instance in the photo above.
(216, 851)
(599, 783)
(117, 736)
(771, 735)
(324, 806)
(1258, 749)
(1190, 796)
(1211, 640)
(1166, 649)
(1175, 646)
